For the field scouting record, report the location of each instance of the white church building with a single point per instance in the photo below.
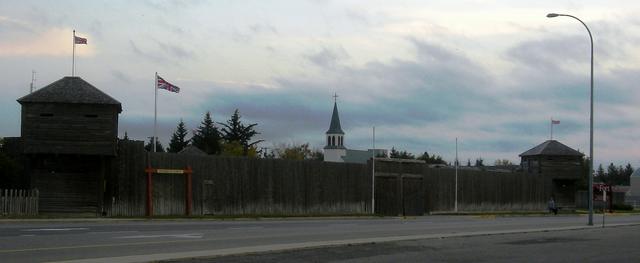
(335, 151)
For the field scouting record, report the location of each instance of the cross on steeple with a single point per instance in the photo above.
(335, 97)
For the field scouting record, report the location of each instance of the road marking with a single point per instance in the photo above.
(113, 232)
(27, 235)
(54, 229)
(342, 225)
(300, 245)
(194, 235)
(230, 250)
(245, 228)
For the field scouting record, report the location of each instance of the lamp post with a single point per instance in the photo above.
(551, 15)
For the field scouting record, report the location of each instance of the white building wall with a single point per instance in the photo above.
(334, 155)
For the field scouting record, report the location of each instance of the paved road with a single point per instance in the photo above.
(619, 244)
(135, 241)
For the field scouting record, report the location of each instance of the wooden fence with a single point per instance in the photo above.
(247, 186)
(238, 186)
(477, 190)
(18, 202)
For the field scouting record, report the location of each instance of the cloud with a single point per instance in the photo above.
(175, 50)
(49, 42)
(119, 75)
(328, 58)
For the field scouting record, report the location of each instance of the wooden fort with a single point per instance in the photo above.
(561, 165)
(69, 138)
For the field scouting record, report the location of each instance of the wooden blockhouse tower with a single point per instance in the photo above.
(561, 165)
(69, 139)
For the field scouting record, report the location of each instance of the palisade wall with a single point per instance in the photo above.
(248, 186)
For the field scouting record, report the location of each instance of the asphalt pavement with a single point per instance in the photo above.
(152, 240)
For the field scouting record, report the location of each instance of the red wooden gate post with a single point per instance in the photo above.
(189, 191)
(149, 191)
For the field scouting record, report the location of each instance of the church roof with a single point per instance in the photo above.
(334, 128)
(551, 148)
(70, 90)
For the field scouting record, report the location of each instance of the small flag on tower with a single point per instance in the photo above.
(163, 84)
(554, 121)
(80, 40)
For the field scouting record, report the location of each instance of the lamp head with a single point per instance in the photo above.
(550, 15)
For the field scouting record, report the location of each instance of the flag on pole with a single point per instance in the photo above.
(79, 40)
(163, 84)
(554, 121)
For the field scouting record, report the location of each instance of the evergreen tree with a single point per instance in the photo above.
(178, 139)
(612, 174)
(479, 162)
(468, 162)
(400, 154)
(235, 131)
(126, 136)
(433, 159)
(207, 137)
(149, 148)
(600, 175)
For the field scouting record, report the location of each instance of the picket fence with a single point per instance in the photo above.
(15, 202)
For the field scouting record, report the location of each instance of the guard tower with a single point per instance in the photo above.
(561, 166)
(69, 136)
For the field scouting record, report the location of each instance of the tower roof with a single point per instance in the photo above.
(551, 148)
(70, 90)
(334, 128)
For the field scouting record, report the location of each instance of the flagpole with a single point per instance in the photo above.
(551, 128)
(73, 56)
(155, 112)
(373, 173)
(455, 205)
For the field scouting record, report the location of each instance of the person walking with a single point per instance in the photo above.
(552, 206)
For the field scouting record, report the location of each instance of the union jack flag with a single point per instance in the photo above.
(163, 84)
(79, 40)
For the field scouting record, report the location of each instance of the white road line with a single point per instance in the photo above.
(310, 244)
(54, 229)
(342, 225)
(245, 228)
(27, 235)
(113, 232)
(192, 235)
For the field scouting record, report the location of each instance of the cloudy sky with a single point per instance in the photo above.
(489, 72)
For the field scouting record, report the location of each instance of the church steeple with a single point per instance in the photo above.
(334, 127)
(335, 135)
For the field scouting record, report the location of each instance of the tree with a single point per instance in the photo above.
(126, 136)
(149, 144)
(207, 137)
(235, 130)
(297, 152)
(468, 162)
(400, 154)
(600, 173)
(612, 174)
(178, 139)
(10, 171)
(234, 148)
(433, 159)
(479, 162)
(503, 162)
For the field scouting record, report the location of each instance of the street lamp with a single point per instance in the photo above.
(551, 15)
